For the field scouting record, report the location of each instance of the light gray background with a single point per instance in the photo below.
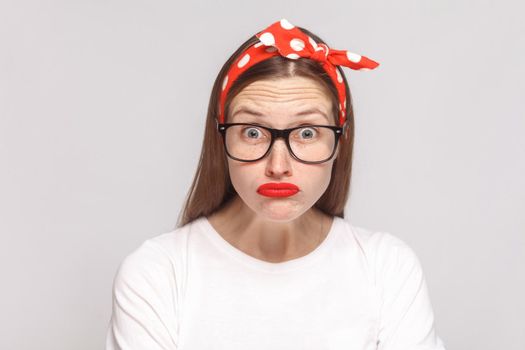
(102, 108)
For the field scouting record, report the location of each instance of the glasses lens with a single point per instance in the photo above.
(247, 142)
(312, 143)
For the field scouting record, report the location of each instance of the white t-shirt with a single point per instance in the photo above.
(190, 289)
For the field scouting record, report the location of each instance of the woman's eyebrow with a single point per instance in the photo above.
(313, 110)
(309, 111)
(246, 110)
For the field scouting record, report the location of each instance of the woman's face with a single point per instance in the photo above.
(281, 104)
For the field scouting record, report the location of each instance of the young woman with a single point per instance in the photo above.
(263, 257)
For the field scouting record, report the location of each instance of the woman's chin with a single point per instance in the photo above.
(281, 210)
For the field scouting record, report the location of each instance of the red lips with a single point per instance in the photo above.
(277, 189)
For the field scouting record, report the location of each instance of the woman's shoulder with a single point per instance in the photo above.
(173, 240)
(369, 236)
(162, 253)
(381, 247)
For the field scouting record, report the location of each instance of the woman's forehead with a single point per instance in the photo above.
(306, 111)
(302, 95)
(285, 86)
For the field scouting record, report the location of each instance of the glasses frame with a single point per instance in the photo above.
(285, 134)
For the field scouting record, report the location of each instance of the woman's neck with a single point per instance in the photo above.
(274, 241)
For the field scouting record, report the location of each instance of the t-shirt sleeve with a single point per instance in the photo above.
(143, 302)
(407, 318)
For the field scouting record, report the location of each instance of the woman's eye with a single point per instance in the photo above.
(307, 133)
(252, 132)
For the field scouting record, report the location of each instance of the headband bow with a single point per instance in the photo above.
(284, 39)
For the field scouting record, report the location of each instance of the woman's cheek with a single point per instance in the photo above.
(243, 178)
(235, 178)
(317, 180)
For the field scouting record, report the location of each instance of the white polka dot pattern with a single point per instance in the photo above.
(243, 60)
(312, 42)
(285, 24)
(297, 44)
(353, 57)
(339, 77)
(267, 39)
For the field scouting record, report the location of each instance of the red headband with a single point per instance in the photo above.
(283, 38)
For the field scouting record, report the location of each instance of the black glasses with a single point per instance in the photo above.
(311, 144)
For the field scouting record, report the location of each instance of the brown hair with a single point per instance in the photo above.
(212, 187)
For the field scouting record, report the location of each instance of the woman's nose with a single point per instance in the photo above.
(279, 160)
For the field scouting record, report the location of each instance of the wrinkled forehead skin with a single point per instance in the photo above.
(283, 101)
